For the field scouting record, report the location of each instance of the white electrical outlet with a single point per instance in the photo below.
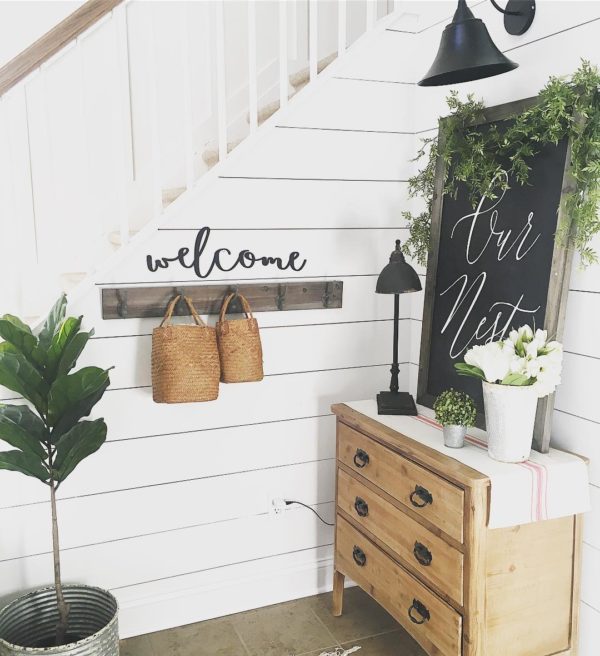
(277, 505)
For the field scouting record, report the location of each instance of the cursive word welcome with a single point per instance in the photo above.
(221, 259)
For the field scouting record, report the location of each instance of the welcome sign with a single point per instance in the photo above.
(492, 268)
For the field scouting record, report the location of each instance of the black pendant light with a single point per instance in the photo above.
(467, 51)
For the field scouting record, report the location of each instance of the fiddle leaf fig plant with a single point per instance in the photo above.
(49, 436)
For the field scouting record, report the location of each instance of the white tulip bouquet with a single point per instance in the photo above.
(525, 358)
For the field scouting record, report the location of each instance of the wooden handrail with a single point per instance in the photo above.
(54, 40)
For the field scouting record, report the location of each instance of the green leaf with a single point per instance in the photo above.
(23, 429)
(72, 351)
(53, 321)
(25, 463)
(517, 379)
(464, 369)
(81, 441)
(20, 376)
(73, 396)
(63, 336)
(17, 333)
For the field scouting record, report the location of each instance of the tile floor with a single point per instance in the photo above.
(304, 627)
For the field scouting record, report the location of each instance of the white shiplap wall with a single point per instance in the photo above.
(172, 514)
(562, 34)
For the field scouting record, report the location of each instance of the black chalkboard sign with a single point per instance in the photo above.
(493, 268)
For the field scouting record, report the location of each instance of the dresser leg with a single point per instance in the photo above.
(338, 593)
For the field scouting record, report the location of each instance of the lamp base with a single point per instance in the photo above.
(395, 403)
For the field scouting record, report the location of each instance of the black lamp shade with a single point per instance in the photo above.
(397, 277)
(466, 52)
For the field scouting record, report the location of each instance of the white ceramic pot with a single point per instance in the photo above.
(509, 417)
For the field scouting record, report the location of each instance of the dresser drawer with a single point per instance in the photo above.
(422, 491)
(434, 624)
(429, 556)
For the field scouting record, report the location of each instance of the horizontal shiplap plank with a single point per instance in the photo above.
(192, 455)
(345, 104)
(285, 349)
(591, 523)
(317, 154)
(328, 253)
(581, 324)
(203, 595)
(390, 58)
(589, 632)
(580, 436)
(174, 553)
(284, 204)
(575, 394)
(590, 575)
(132, 413)
(167, 507)
(587, 279)
(558, 55)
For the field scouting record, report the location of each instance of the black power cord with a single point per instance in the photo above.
(289, 502)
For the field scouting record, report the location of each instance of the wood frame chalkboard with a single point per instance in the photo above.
(551, 277)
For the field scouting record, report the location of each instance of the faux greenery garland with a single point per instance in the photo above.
(567, 108)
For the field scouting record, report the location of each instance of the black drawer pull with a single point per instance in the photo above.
(360, 557)
(422, 494)
(422, 614)
(361, 458)
(422, 554)
(361, 507)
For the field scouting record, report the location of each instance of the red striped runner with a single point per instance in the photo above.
(539, 474)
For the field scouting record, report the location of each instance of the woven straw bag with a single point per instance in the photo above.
(185, 360)
(239, 346)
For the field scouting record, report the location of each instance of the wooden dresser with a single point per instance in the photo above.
(411, 530)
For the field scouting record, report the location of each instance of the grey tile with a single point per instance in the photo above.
(286, 629)
(214, 637)
(361, 617)
(139, 646)
(397, 643)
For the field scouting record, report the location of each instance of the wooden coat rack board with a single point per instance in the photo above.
(140, 302)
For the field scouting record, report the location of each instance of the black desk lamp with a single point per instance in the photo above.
(397, 277)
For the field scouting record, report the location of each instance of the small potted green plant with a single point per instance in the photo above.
(50, 437)
(456, 412)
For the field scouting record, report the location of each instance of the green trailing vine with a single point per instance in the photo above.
(567, 108)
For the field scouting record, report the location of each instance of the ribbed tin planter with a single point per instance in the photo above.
(29, 622)
(454, 436)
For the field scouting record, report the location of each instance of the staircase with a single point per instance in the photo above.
(110, 120)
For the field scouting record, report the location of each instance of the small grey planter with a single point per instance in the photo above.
(454, 436)
(31, 620)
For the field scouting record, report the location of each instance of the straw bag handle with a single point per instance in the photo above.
(169, 313)
(245, 307)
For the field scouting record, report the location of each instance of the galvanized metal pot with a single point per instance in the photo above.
(454, 436)
(29, 623)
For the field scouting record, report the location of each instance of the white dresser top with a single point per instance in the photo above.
(547, 486)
